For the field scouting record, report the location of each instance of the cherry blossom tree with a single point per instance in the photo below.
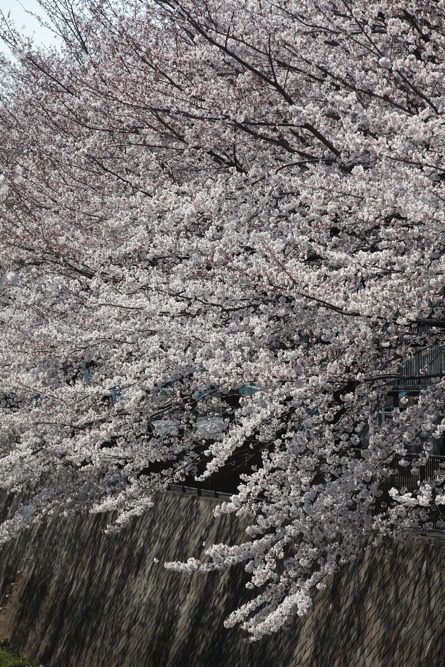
(200, 196)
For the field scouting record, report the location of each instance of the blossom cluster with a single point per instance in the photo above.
(200, 194)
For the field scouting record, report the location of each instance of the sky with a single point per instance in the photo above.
(21, 18)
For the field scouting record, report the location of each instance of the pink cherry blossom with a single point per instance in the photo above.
(204, 199)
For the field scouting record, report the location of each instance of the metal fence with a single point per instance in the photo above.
(430, 361)
(406, 477)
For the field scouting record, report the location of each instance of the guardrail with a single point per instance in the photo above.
(404, 479)
(201, 493)
(224, 485)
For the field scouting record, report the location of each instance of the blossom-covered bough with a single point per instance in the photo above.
(220, 194)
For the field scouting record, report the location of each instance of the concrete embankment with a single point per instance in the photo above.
(73, 596)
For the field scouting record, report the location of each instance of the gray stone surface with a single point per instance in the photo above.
(80, 598)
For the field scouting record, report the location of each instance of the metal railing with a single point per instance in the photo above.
(405, 476)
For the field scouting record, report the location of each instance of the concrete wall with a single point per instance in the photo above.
(85, 599)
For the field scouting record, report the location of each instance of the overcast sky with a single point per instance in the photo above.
(23, 20)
